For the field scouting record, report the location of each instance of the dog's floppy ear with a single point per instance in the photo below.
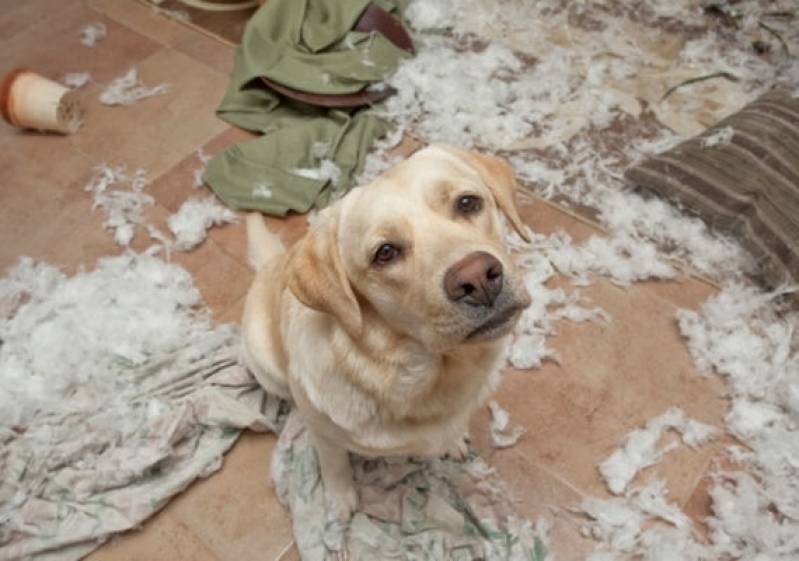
(497, 174)
(315, 275)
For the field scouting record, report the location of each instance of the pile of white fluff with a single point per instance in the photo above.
(742, 335)
(72, 343)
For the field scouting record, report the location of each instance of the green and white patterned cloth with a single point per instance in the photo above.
(409, 509)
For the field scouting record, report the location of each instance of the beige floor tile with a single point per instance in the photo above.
(43, 218)
(207, 50)
(143, 19)
(220, 278)
(157, 132)
(235, 511)
(18, 17)
(162, 538)
(52, 47)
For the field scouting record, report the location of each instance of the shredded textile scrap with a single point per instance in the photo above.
(408, 508)
(128, 89)
(116, 392)
(193, 219)
(92, 32)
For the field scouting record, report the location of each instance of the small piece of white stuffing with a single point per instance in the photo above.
(76, 80)
(502, 434)
(92, 32)
(192, 220)
(718, 138)
(128, 89)
(327, 171)
(198, 173)
(262, 191)
(320, 149)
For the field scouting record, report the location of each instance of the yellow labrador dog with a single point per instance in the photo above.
(386, 324)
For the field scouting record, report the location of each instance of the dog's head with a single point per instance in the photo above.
(421, 248)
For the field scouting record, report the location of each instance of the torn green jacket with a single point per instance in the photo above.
(306, 155)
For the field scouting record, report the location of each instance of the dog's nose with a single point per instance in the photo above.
(476, 279)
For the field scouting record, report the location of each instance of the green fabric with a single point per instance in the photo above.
(306, 45)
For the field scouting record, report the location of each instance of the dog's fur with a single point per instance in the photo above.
(376, 357)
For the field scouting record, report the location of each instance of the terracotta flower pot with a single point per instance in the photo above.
(29, 100)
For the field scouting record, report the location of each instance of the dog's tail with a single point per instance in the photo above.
(262, 243)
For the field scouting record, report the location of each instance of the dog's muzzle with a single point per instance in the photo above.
(476, 286)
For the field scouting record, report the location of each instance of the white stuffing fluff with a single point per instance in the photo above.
(718, 138)
(92, 32)
(639, 449)
(320, 149)
(502, 434)
(262, 191)
(120, 196)
(425, 16)
(620, 524)
(193, 219)
(379, 159)
(327, 171)
(198, 173)
(128, 89)
(529, 349)
(467, 99)
(743, 335)
(76, 80)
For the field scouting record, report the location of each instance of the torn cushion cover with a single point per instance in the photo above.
(747, 188)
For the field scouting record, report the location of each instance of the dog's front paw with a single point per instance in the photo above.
(344, 501)
(460, 449)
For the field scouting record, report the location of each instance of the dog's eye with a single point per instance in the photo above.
(386, 253)
(469, 204)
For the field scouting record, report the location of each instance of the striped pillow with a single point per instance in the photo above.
(742, 177)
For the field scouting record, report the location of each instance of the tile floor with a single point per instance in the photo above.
(612, 377)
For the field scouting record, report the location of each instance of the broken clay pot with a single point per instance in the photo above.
(29, 100)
